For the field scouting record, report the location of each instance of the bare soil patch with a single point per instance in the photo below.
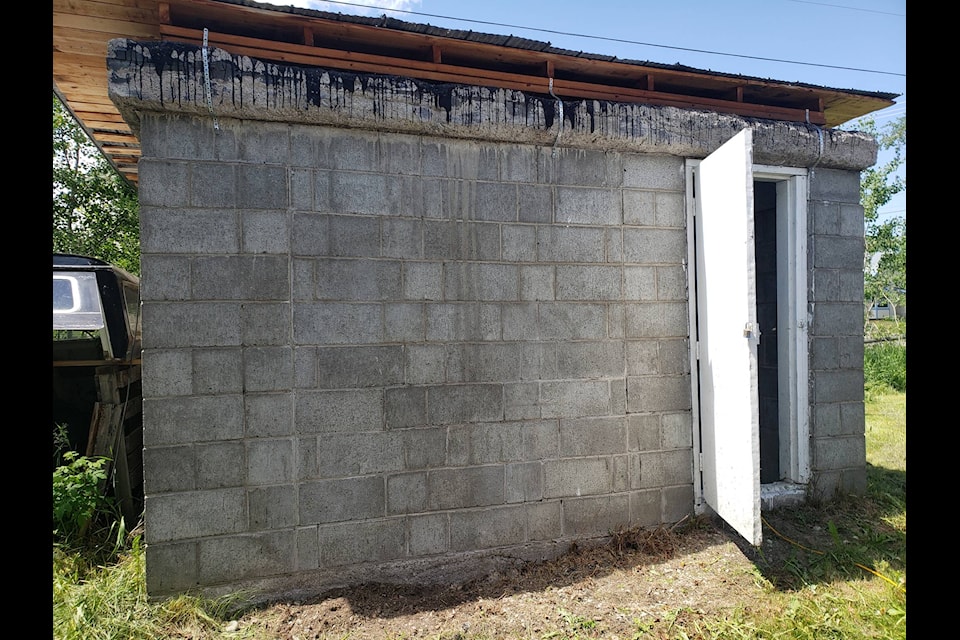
(640, 581)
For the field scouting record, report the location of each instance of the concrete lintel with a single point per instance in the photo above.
(170, 77)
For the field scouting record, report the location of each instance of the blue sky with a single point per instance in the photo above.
(844, 44)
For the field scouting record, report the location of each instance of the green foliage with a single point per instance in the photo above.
(95, 210)
(78, 495)
(885, 366)
(885, 260)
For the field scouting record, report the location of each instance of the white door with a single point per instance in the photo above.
(728, 335)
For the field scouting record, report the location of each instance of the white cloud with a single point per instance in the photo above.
(354, 7)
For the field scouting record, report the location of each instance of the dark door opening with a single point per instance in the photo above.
(765, 252)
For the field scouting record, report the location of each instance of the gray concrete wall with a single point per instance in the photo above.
(397, 334)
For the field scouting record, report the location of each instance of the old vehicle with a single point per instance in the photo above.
(96, 372)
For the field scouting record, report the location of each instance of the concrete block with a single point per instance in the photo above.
(852, 418)
(269, 461)
(640, 283)
(678, 503)
(213, 185)
(589, 283)
(518, 243)
(459, 159)
(454, 404)
(573, 399)
(406, 493)
(341, 455)
(851, 220)
(310, 234)
(326, 411)
(265, 323)
(404, 322)
(570, 244)
(590, 359)
(484, 443)
(572, 321)
(539, 361)
(188, 231)
(491, 362)
(593, 436)
(674, 356)
(303, 184)
(476, 281)
(401, 238)
(211, 370)
(838, 252)
(614, 242)
(399, 153)
(262, 187)
(267, 368)
(495, 201)
(658, 393)
(169, 469)
(677, 430)
(466, 322)
(521, 401)
(838, 386)
(272, 508)
(671, 283)
(363, 193)
(220, 465)
(464, 487)
(265, 143)
(644, 432)
(193, 419)
(249, 556)
(596, 516)
(352, 367)
(308, 548)
(642, 245)
(835, 185)
(523, 482)
(405, 407)
(326, 501)
(671, 209)
(535, 203)
(265, 232)
(657, 320)
(826, 285)
(262, 278)
(196, 514)
(424, 448)
(580, 205)
(645, 508)
(305, 367)
(824, 353)
(537, 282)
(851, 352)
(837, 319)
(544, 520)
(653, 171)
(181, 138)
(428, 534)
(541, 439)
(520, 321)
(167, 372)
(824, 217)
(581, 167)
(643, 357)
(354, 236)
(268, 415)
(172, 568)
(424, 363)
(460, 240)
(422, 280)
(163, 183)
(826, 420)
(487, 528)
(577, 477)
(164, 277)
(639, 208)
(347, 149)
(839, 453)
(851, 285)
(337, 323)
(518, 163)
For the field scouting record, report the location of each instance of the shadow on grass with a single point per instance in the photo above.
(824, 541)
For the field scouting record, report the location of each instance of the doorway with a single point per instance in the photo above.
(748, 317)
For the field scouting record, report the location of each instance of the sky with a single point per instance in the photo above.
(843, 44)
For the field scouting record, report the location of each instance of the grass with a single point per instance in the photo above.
(840, 572)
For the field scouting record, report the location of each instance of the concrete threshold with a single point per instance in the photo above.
(781, 494)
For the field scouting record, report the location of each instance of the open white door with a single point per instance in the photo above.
(728, 335)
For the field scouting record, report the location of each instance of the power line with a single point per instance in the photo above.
(839, 6)
(620, 40)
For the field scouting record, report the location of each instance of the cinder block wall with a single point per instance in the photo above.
(368, 347)
(835, 258)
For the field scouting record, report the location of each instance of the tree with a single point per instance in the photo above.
(95, 210)
(885, 259)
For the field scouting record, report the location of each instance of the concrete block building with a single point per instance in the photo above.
(410, 316)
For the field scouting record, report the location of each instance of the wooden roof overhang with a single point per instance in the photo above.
(287, 35)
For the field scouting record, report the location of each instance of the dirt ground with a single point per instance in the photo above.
(642, 580)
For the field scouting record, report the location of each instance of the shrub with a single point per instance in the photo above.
(78, 495)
